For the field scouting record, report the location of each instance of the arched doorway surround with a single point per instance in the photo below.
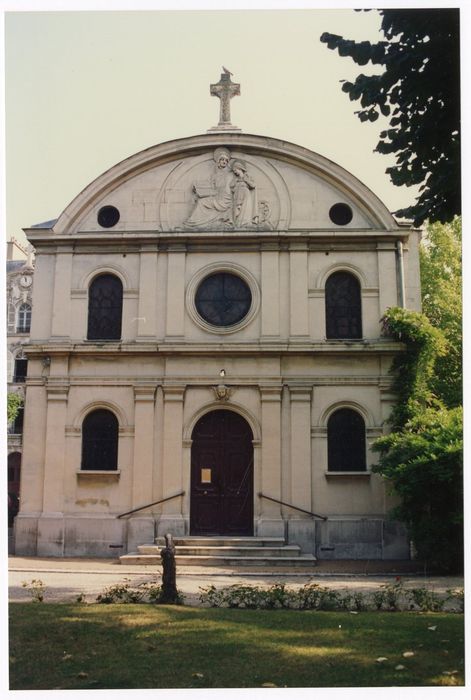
(221, 475)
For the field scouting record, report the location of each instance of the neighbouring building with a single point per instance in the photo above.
(19, 276)
(206, 333)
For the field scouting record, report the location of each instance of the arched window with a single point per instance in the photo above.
(346, 441)
(100, 441)
(343, 306)
(105, 306)
(24, 319)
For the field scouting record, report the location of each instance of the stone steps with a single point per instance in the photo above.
(225, 552)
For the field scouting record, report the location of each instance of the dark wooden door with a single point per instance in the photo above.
(221, 475)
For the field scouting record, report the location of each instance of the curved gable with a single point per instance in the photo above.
(267, 185)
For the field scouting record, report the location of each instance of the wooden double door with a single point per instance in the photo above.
(221, 475)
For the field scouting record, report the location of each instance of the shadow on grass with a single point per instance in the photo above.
(145, 646)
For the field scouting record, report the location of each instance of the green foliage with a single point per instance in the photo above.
(441, 281)
(390, 597)
(414, 368)
(426, 600)
(14, 403)
(423, 457)
(124, 592)
(424, 464)
(419, 91)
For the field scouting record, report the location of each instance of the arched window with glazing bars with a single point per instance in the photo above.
(105, 308)
(343, 306)
(100, 441)
(346, 441)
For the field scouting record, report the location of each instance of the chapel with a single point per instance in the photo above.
(205, 355)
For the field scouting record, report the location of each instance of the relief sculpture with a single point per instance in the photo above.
(228, 200)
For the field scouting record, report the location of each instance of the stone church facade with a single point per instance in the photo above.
(206, 335)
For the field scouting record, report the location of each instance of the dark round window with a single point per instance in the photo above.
(223, 299)
(341, 214)
(108, 216)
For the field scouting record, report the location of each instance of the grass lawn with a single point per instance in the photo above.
(147, 646)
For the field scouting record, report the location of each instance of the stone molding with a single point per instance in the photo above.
(144, 393)
(218, 406)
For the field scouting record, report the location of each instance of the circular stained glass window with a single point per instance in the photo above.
(223, 299)
(108, 216)
(341, 214)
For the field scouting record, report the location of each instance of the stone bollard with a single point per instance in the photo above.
(169, 584)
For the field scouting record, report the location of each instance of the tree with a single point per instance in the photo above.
(424, 462)
(441, 281)
(419, 91)
(422, 458)
(14, 403)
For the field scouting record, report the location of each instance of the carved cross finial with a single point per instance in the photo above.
(225, 89)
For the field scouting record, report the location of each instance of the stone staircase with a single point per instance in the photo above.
(226, 553)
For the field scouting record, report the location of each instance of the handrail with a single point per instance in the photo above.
(289, 505)
(148, 505)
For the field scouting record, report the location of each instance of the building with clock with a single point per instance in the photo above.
(206, 352)
(19, 307)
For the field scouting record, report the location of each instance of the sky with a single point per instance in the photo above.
(86, 89)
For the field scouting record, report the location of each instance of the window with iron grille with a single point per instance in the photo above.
(24, 319)
(100, 441)
(105, 307)
(346, 441)
(343, 306)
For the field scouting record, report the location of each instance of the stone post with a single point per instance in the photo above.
(169, 572)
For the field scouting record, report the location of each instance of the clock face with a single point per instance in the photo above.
(26, 280)
(223, 299)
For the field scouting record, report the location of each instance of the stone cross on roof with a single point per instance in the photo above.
(225, 89)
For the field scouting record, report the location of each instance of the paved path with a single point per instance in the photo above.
(65, 579)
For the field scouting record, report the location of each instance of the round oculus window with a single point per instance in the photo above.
(341, 214)
(108, 216)
(223, 299)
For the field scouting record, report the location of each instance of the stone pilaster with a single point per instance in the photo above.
(143, 457)
(51, 522)
(146, 328)
(175, 291)
(60, 327)
(270, 522)
(298, 286)
(171, 519)
(300, 404)
(387, 274)
(270, 265)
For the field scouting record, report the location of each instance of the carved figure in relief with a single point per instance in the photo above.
(214, 200)
(244, 196)
(228, 200)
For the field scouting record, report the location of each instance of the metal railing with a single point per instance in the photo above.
(290, 505)
(148, 505)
